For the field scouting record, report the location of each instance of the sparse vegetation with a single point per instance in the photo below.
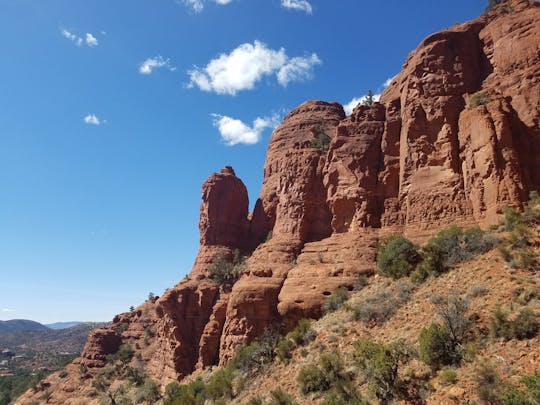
(442, 344)
(301, 335)
(380, 364)
(323, 376)
(479, 98)
(280, 397)
(336, 300)
(523, 326)
(124, 354)
(369, 98)
(226, 271)
(530, 395)
(488, 382)
(447, 377)
(397, 257)
(321, 140)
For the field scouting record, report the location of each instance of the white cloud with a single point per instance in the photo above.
(349, 107)
(92, 119)
(301, 5)
(7, 310)
(297, 69)
(246, 65)
(157, 62)
(91, 40)
(234, 131)
(72, 37)
(198, 5)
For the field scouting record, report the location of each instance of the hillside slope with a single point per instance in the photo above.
(455, 139)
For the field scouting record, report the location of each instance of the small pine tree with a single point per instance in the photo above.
(369, 99)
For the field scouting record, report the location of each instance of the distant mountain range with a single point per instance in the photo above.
(62, 325)
(19, 325)
(16, 325)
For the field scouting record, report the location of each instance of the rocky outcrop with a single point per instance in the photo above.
(101, 342)
(426, 156)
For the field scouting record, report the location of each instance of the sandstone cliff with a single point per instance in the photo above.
(429, 154)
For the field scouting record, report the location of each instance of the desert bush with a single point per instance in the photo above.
(380, 364)
(441, 344)
(148, 392)
(280, 397)
(101, 382)
(135, 376)
(488, 382)
(255, 400)
(185, 394)
(256, 354)
(124, 354)
(447, 377)
(63, 374)
(220, 385)
(435, 347)
(397, 257)
(376, 308)
(301, 335)
(524, 326)
(225, 271)
(524, 295)
(530, 395)
(478, 290)
(336, 300)
(321, 377)
(479, 98)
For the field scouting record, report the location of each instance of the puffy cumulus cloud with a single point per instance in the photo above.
(246, 65)
(92, 119)
(91, 40)
(198, 5)
(148, 66)
(301, 5)
(297, 69)
(234, 131)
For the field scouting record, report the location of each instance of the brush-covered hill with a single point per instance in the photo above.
(454, 141)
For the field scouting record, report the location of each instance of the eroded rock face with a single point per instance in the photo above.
(421, 159)
(100, 343)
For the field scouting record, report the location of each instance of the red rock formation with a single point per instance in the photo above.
(101, 343)
(422, 158)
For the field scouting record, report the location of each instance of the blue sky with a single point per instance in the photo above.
(113, 113)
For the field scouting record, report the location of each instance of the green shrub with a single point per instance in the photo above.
(488, 383)
(397, 257)
(380, 364)
(321, 377)
(220, 385)
(480, 98)
(279, 397)
(376, 308)
(435, 347)
(63, 374)
(524, 326)
(185, 394)
(256, 354)
(225, 271)
(135, 375)
(256, 400)
(124, 354)
(336, 300)
(301, 335)
(149, 393)
(447, 377)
